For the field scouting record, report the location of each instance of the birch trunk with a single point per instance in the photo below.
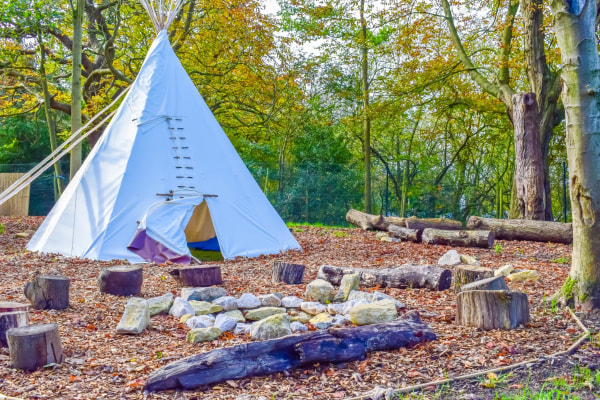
(575, 29)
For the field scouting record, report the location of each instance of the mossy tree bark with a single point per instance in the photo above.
(575, 29)
(76, 84)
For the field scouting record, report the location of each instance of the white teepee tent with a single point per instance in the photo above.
(164, 174)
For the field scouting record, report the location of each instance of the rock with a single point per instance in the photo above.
(349, 283)
(225, 323)
(272, 327)
(204, 307)
(504, 270)
(269, 300)
(301, 317)
(279, 295)
(242, 329)
(264, 312)
(161, 304)
(248, 300)
(322, 321)
(185, 317)
(358, 295)
(383, 236)
(228, 303)
(377, 296)
(466, 259)
(296, 327)
(203, 335)
(527, 275)
(136, 316)
(181, 307)
(373, 313)
(196, 322)
(319, 290)
(291, 302)
(450, 258)
(202, 293)
(237, 314)
(345, 307)
(21, 235)
(312, 307)
(338, 320)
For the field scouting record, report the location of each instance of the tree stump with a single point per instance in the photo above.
(398, 232)
(494, 283)
(492, 309)
(483, 239)
(121, 280)
(12, 315)
(292, 274)
(48, 292)
(470, 273)
(34, 346)
(198, 275)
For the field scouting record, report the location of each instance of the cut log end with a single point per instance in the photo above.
(492, 309)
(198, 275)
(48, 292)
(289, 273)
(122, 280)
(34, 346)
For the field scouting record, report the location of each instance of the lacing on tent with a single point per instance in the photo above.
(162, 12)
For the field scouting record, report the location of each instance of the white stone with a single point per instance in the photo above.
(248, 300)
(521, 276)
(467, 259)
(504, 270)
(349, 283)
(225, 323)
(227, 302)
(319, 290)
(242, 329)
(272, 327)
(322, 321)
(136, 316)
(202, 293)
(338, 320)
(312, 307)
(345, 307)
(291, 302)
(196, 322)
(358, 295)
(450, 258)
(269, 300)
(237, 314)
(181, 307)
(373, 313)
(296, 326)
(377, 296)
(161, 304)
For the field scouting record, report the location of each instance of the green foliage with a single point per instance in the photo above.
(1, 229)
(23, 139)
(498, 249)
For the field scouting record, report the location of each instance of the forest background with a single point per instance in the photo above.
(332, 104)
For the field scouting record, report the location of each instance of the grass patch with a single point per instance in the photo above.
(207, 255)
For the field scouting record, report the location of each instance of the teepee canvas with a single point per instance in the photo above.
(163, 175)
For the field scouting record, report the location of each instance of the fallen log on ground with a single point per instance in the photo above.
(398, 232)
(483, 239)
(435, 223)
(370, 222)
(259, 358)
(520, 229)
(414, 276)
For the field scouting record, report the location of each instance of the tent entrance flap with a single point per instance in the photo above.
(200, 231)
(160, 235)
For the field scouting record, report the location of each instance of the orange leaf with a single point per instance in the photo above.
(136, 382)
(363, 365)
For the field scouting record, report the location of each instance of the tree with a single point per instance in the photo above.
(575, 23)
(76, 82)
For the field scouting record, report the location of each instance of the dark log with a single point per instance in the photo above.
(372, 222)
(483, 239)
(259, 358)
(121, 280)
(292, 274)
(493, 283)
(435, 223)
(529, 163)
(414, 276)
(465, 274)
(198, 275)
(492, 309)
(47, 292)
(520, 229)
(13, 315)
(34, 346)
(398, 232)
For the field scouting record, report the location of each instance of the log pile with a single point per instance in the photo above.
(334, 345)
(520, 229)
(413, 276)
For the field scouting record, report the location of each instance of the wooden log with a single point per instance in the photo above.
(121, 280)
(520, 229)
(465, 274)
(292, 274)
(48, 292)
(398, 232)
(493, 283)
(259, 358)
(492, 309)
(9, 320)
(198, 275)
(414, 276)
(435, 223)
(34, 346)
(372, 222)
(483, 239)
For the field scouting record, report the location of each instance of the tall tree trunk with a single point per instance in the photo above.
(58, 175)
(366, 114)
(575, 29)
(76, 84)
